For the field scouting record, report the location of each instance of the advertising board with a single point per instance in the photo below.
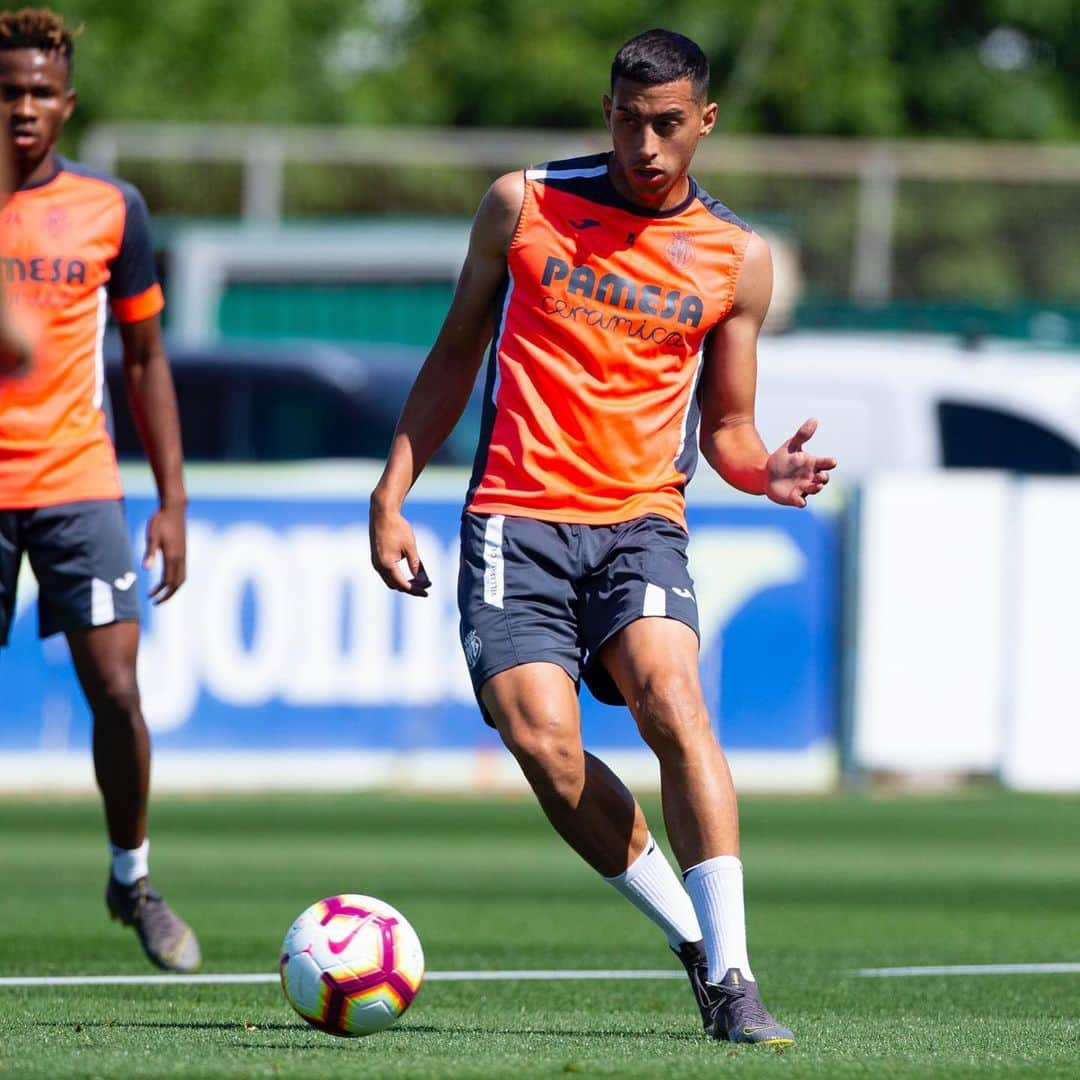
(284, 640)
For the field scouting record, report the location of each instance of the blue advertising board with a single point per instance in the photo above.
(285, 638)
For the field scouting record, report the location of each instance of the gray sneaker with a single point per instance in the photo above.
(166, 939)
(739, 1015)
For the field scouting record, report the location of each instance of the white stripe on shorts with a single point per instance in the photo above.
(655, 602)
(102, 608)
(493, 561)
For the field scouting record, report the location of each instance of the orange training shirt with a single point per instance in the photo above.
(590, 411)
(70, 247)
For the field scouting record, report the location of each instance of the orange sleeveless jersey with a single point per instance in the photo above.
(590, 412)
(70, 247)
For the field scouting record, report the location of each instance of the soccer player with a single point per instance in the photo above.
(625, 305)
(74, 242)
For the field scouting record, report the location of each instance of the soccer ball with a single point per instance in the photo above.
(351, 965)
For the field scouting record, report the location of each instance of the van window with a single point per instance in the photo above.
(299, 418)
(213, 420)
(978, 437)
(238, 409)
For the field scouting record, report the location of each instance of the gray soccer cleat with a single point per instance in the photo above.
(166, 939)
(739, 1015)
(692, 956)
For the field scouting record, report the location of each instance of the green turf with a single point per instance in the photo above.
(832, 884)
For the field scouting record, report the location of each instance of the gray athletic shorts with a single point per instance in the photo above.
(536, 591)
(81, 557)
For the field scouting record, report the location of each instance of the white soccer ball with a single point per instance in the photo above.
(351, 965)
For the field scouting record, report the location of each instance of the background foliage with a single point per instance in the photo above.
(993, 69)
(985, 69)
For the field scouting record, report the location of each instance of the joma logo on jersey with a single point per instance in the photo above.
(54, 271)
(619, 291)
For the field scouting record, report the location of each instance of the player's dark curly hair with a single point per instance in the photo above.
(662, 56)
(38, 28)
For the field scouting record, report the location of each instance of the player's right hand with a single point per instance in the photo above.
(394, 554)
(15, 351)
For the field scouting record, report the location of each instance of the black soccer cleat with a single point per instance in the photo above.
(166, 939)
(692, 956)
(739, 1015)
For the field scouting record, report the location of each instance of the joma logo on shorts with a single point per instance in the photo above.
(619, 291)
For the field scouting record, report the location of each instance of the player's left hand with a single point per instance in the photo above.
(793, 474)
(165, 533)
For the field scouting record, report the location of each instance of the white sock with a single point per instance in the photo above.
(716, 888)
(128, 865)
(653, 887)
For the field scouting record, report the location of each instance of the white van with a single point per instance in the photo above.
(887, 402)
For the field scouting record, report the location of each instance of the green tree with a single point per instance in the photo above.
(994, 69)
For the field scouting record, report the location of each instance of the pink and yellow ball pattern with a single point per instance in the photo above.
(351, 965)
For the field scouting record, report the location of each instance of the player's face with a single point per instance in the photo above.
(655, 131)
(36, 102)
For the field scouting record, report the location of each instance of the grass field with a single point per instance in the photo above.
(833, 885)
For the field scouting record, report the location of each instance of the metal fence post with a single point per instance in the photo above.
(264, 179)
(871, 266)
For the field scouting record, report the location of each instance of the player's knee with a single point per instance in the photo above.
(671, 715)
(117, 696)
(549, 758)
(543, 750)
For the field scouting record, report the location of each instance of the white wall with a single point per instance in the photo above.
(967, 640)
(1042, 732)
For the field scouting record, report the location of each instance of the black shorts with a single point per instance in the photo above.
(537, 591)
(81, 557)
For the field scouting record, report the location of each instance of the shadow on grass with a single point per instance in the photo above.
(398, 1032)
(183, 1025)
(553, 1033)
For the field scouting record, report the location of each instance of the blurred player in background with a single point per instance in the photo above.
(14, 347)
(73, 242)
(624, 301)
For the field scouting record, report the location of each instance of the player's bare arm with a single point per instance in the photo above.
(729, 436)
(14, 347)
(153, 405)
(442, 387)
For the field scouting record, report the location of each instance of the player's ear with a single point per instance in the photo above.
(605, 104)
(70, 98)
(708, 118)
